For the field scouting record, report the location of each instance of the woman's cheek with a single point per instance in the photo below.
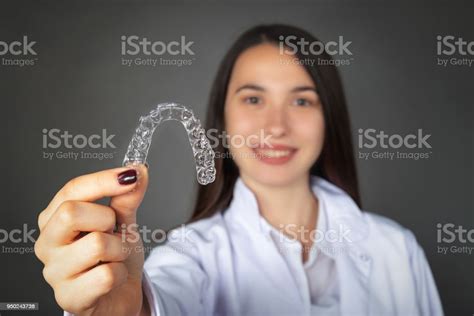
(240, 130)
(312, 131)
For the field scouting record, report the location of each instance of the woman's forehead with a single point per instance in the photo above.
(265, 65)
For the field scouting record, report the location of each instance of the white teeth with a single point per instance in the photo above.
(274, 153)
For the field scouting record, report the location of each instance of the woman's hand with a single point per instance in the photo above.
(93, 269)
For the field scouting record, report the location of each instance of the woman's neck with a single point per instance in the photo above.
(292, 209)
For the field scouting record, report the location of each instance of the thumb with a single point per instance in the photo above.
(126, 205)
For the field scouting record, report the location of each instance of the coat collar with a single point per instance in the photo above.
(342, 216)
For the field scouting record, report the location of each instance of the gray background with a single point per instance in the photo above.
(79, 85)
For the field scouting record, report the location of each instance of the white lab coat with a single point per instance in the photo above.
(225, 265)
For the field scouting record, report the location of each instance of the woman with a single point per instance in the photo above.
(280, 231)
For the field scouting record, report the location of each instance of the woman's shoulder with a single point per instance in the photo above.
(385, 231)
(370, 228)
(383, 223)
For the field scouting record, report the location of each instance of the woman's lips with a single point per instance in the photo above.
(275, 154)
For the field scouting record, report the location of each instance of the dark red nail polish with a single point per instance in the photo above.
(127, 177)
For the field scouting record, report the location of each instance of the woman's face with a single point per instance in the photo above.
(273, 106)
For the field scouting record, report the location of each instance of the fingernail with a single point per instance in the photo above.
(127, 177)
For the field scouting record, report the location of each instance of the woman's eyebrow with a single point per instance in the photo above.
(251, 87)
(260, 88)
(304, 88)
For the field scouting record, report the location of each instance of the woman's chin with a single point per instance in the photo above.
(276, 178)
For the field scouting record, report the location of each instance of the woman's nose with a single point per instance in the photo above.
(276, 123)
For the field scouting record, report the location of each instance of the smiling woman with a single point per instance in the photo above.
(252, 249)
(259, 87)
(279, 232)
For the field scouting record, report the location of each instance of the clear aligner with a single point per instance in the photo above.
(203, 154)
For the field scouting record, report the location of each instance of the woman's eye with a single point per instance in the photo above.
(302, 102)
(252, 100)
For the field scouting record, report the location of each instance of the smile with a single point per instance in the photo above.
(276, 155)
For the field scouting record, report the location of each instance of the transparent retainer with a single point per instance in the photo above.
(137, 151)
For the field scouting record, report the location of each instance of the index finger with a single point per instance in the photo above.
(91, 187)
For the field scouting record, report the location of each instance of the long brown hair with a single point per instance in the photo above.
(336, 162)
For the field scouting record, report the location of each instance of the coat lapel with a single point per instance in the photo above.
(354, 272)
(353, 264)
